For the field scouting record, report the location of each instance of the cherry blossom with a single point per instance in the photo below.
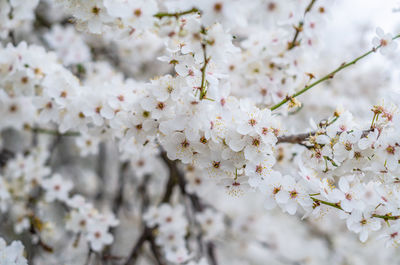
(168, 132)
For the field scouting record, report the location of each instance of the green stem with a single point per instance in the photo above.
(203, 89)
(337, 206)
(328, 76)
(386, 217)
(299, 27)
(176, 14)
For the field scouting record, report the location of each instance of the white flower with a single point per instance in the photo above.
(12, 254)
(343, 124)
(22, 225)
(259, 171)
(211, 222)
(292, 194)
(385, 41)
(98, 236)
(345, 148)
(388, 151)
(179, 255)
(179, 147)
(362, 224)
(248, 117)
(369, 140)
(350, 197)
(87, 144)
(97, 108)
(77, 221)
(57, 188)
(270, 187)
(157, 109)
(69, 45)
(166, 87)
(391, 235)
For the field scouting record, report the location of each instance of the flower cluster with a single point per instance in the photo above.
(171, 225)
(15, 15)
(26, 178)
(84, 219)
(12, 254)
(174, 101)
(128, 16)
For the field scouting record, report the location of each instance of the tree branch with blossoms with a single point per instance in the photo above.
(318, 202)
(149, 117)
(328, 76)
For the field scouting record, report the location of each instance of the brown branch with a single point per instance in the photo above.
(155, 250)
(147, 232)
(119, 198)
(303, 137)
(296, 138)
(211, 253)
(142, 190)
(5, 155)
(195, 201)
(172, 181)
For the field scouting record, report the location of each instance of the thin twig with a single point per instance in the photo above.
(328, 76)
(299, 27)
(337, 206)
(203, 86)
(134, 254)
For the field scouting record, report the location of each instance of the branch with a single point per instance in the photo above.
(203, 90)
(119, 198)
(138, 246)
(5, 155)
(299, 27)
(180, 180)
(211, 253)
(328, 76)
(177, 14)
(195, 201)
(147, 233)
(295, 139)
(302, 137)
(337, 206)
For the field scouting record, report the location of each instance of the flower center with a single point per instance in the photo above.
(252, 122)
(276, 190)
(256, 142)
(185, 144)
(390, 149)
(216, 164)
(348, 146)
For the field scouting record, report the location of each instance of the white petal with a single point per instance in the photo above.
(344, 184)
